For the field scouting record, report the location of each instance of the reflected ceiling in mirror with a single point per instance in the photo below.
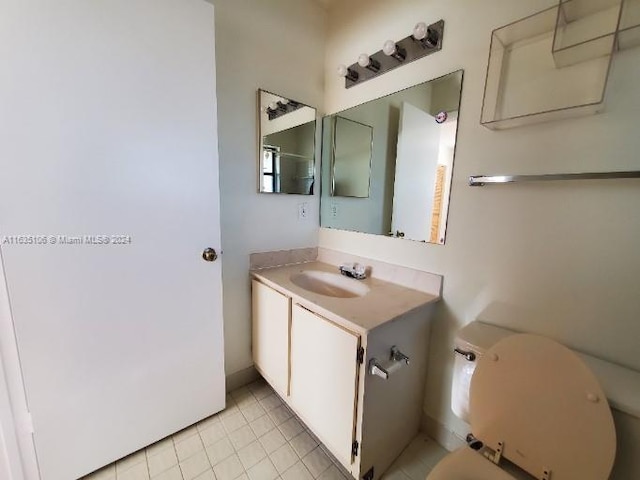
(287, 145)
(412, 150)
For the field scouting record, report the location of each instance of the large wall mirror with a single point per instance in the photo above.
(287, 145)
(387, 164)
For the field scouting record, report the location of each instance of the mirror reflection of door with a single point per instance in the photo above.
(351, 158)
(416, 160)
(424, 157)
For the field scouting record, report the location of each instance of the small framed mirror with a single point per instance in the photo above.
(286, 155)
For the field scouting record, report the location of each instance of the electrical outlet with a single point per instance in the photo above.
(303, 211)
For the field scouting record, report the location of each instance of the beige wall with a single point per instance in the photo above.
(560, 259)
(254, 49)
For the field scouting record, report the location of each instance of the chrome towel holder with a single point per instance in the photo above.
(482, 180)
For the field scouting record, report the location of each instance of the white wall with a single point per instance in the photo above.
(278, 46)
(559, 259)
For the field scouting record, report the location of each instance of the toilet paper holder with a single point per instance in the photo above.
(397, 359)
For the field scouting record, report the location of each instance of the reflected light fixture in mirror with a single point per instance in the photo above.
(387, 164)
(286, 154)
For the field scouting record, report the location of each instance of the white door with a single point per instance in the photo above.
(108, 129)
(324, 380)
(416, 165)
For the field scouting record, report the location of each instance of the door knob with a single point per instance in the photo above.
(209, 255)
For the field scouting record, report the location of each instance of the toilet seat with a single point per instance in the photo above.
(467, 464)
(538, 403)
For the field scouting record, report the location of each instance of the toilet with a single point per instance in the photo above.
(533, 404)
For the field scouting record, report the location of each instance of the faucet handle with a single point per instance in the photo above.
(398, 356)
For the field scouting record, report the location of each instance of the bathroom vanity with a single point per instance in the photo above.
(326, 342)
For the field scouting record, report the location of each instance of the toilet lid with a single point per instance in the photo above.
(540, 400)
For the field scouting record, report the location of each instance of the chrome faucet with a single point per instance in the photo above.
(353, 270)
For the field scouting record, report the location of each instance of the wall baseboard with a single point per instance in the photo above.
(241, 378)
(441, 434)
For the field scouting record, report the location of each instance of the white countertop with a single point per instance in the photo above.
(384, 302)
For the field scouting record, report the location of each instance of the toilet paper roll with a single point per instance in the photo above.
(463, 371)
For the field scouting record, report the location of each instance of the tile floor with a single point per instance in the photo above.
(255, 438)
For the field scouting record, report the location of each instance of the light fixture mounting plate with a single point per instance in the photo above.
(415, 49)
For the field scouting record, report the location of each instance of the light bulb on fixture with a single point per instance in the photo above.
(273, 106)
(420, 31)
(391, 49)
(344, 71)
(428, 37)
(365, 61)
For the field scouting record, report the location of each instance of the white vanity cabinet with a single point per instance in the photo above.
(317, 352)
(324, 380)
(270, 334)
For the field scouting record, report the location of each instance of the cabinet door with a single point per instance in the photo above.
(324, 379)
(270, 332)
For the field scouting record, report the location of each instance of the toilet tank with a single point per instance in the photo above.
(621, 385)
(471, 342)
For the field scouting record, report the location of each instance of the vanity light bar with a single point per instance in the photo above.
(482, 180)
(425, 40)
(277, 109)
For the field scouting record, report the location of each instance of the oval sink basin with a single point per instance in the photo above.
(329, 284)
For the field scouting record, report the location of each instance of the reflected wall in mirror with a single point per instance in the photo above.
(287, 145)
(411, 163)
(351, 158)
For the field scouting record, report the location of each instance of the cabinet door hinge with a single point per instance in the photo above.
(354, 448)
(360, 356)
